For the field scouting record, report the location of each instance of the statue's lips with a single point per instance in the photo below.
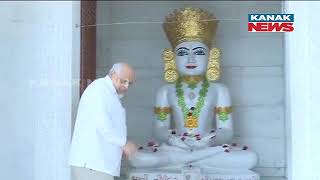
(191, 66)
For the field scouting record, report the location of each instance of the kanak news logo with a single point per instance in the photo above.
(270, 22)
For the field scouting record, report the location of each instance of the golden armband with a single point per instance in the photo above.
(162, 112)
(223, 112)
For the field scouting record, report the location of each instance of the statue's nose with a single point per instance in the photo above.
(191, 58)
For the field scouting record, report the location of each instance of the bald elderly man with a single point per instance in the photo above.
(100, 134)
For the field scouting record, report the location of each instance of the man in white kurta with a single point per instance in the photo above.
(100, 133)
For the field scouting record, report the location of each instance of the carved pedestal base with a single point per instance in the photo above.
(191, 173)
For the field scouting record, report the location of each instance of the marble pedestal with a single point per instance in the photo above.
(191, 173)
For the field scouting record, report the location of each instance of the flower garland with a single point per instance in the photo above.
(191, 115)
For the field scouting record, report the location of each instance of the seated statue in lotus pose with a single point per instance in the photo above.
(193, 114)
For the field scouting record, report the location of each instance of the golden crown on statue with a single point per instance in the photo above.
(190, 24)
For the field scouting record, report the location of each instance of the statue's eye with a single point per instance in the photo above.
(199, 52)
(182, 52)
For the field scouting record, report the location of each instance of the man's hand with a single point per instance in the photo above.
(129, 149)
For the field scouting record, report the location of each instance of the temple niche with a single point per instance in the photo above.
(250, 83)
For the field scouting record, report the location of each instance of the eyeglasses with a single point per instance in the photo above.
(125, 82)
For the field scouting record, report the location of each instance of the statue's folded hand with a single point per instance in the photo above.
(197, 142)
(187, 141)
(178, 141)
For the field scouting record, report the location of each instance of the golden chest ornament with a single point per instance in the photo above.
(191, 122)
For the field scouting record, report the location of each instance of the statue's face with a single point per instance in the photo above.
(192, 58)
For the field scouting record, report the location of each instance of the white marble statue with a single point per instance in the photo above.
(193, 122)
